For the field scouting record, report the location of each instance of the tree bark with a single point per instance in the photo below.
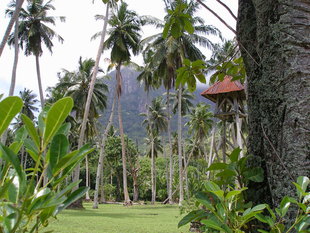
(153, 172)
(91, 90)
(275, 47)
(15, 16)
(181, 191)
(121, 130)
(101, 155)
(170, 149)
(87, 198)
(135, 185)
(16, 50)
(39, 81)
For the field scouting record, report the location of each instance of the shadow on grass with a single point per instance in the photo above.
(88, 213)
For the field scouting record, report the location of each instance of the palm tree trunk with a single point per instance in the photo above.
(39, 81)
(121, 130)
(135, 185)
(16, 47)
(90, 91)
(211, 149)
(181, 194)
(101, 155)
(87, 198)
(185, 173)
(102, 194)
(15, 16)
(153, 171)
(170, 150)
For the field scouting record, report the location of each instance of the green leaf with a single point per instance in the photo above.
(204, 199)
(227, 173)
(284, 206)
(192, 216)
(217, 166)
(64, 129)
(77, 194)
(212, 224)
(33, 155)
(219, 194)
(254, 174)
(234, 155)
(12, 158)
(211, 186)
(166, 30)
(303, 181)
(59, 148)
(234, 193)
(31, 130)
(9, 107)
(55, 117)
(188, 26)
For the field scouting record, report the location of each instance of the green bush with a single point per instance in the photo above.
(28, 198)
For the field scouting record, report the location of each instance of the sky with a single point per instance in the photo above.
(80, 25)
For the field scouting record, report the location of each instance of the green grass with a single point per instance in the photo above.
(119, 219)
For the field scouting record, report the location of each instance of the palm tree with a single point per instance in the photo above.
(12, 8)
(30, 101)
(155, 121)
(14, 19)
(29, 108)
(124, 36)
(33, 30)
(76, 85)
(199, 124)
(109, 4)
(168, 56)
(186, 102)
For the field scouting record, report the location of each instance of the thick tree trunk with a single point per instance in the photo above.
(153, 172)
(39, 81)
(181, 191)
(91, 90)
(121, 131)
(170, 149)
(101, 155)
(274, 37)
(15, 16)
(16, 50)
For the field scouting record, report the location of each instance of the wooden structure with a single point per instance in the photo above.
(229, 97)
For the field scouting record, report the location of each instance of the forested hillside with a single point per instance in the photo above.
(134, 100)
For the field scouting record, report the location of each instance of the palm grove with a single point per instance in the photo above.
(175, 166)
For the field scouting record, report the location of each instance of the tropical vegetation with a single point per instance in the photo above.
(234, 160)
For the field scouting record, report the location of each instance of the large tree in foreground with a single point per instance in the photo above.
(33, 30)
(275, 47)
(124, 37)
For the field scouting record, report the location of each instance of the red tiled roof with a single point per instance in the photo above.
(224, 86)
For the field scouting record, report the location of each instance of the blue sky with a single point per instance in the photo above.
(80, 25)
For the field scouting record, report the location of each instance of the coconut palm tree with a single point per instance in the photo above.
(33, 30)
(124, 37)
(109, 4)
(199, 124)
(13, 7)
(168, 56)
(155, 121)
(14, 19)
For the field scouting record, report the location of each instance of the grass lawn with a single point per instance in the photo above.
(119, 219)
